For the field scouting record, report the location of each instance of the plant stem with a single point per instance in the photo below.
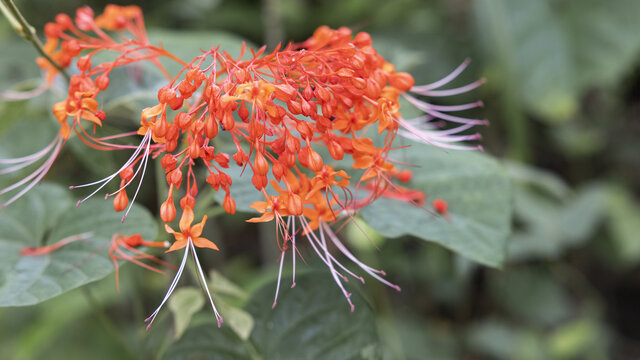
(24, 29)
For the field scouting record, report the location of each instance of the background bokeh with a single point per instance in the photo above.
(563, 98)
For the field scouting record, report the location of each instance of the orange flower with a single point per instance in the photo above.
(189, 232)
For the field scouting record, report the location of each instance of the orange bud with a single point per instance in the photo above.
(229, 204)
(102, 82)
(121, 201)
(440, 206)
(307, 94)
(227, 121)
(84, 62)
(402, 81)
(168, 211)
(183, 120)
(345, 72)
(211, 128)
(194, 149)
(278, 171)
(404, 175)
(307, 108)
(160, 130)
(314, 160)
(295, 107)
(175, 178)
(335, 150)
(243, 112)
(259, 181)
(304, 129)
(322, 94)
(260, 164)
(176, 103)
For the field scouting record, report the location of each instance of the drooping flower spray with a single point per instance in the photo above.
(313, 125)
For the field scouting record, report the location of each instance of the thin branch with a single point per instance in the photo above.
(24, 29)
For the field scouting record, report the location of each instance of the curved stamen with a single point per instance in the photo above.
(204, 282)
(445, 80)
(171, 287)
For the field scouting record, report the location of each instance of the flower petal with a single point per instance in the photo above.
(204, 243)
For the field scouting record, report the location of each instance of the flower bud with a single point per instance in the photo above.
(121, 201)
(229, 204)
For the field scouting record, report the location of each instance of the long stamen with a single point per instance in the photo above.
(450, 92)
(426, 107)
(433, 138)
(445, 80)
(38, 155)
(312, 236)
(36, 176)
(371, 271)
(144, 169)
(275, 299)
(333, 272)
(171, 288)
(204, 282)
(144, 144)
(293, 247)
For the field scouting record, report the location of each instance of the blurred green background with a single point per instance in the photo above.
(563, 98)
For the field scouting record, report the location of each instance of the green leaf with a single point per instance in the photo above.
(223, 286)
(479, 196)
(553, 50)
(311, 321)
(240, 321)
(549, 223)
(206, 342)
(44, 216)
(183, 304)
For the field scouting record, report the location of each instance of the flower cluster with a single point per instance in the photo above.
(312, 124)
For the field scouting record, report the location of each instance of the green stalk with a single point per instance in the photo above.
(27, 32)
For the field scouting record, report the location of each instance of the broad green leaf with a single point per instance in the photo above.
(185, 302)
(240, 321)
(39, 131)
(47, 215)
(549, 224)
(311, 321)
(222, 286)
(553, 50)
(479, 196)
(206, 342)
